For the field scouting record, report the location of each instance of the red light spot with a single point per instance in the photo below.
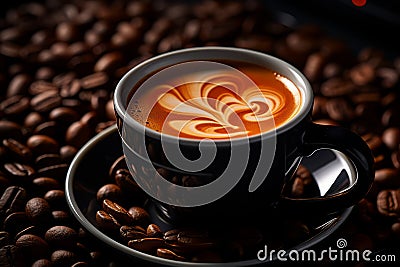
(359, 3)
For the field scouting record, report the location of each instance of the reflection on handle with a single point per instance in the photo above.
(356, 151)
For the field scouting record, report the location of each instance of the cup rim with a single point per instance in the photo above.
(305, 88)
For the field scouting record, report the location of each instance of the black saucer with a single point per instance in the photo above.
(90, 167)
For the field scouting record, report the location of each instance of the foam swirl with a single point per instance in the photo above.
(222, 106)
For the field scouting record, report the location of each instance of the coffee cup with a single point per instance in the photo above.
(181, 119)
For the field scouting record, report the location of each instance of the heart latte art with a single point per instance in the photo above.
(219, 104)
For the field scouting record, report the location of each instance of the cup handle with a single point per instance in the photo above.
(351, 145)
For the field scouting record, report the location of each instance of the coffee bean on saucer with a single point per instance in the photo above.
(388, 203)
(153, 230)
(117, 211)
(131, 232)
(169, 254)
(148, 244)
(106, 222)
(140, 216)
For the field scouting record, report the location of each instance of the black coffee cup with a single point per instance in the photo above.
(242, 175)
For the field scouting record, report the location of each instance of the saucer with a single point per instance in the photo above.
(90, 167)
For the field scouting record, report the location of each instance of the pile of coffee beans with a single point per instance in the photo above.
(59, 64)
(124, 215)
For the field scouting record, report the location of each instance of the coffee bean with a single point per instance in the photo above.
(109, 191)
(12, 200)
(19, 85)
(42, 144)
(109, 62)
(70, 89)
(117, 211)
(140, 216)
(67, 153)
(47, 160)
(32, 247)
(391, 138)
(148, 245)
(374, 142)
(62, 217)
(41, 86)
(67, 32)
(64, 116)
(19, 172)
(314, 66)
(131, 232)
(339, 109)
(337, 87)
(118, 164)
(4, 239)
(44, 184)
(9, 129)
(388, 177)
(61, 237)
(56, 199)
(38, 210)
(154, 231)
(33, 119)
(57, 172)
(362, 74)
(106, 222)
(46, 101)
(42, 263)
(63, 258)
(48, 128)
(169, 254)
(388, 203)
(14, 106)
(94, 81)
(16, 222)
(78, 134)
(18, 150)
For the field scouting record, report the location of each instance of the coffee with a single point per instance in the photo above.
(238, 100)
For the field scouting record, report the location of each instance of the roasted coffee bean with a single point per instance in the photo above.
(33, 119)
(32, 247)
(57, 172)
(391, 118)
(140, 216)
(62, 217)
(18, 150)
(118, 164)
(44, 74)
(91, 119)
(19, 85)
(47, 160)
(42, 144)
(61, 237)
(4, 239)
(396, 159)
(71, 89)
(9, 129)
(46, 101)
(67, 153)
(16, 222)
(388, 203)
(169, 254)
(391, 138)
(374, 142)
(337, 87)
(131, 232)
(302, 184)
(388, 177)
(20, 172)
(388, 77)
(94, 81)
(41, 86)
(109, 62)
(38, 211)
(362, 74)
(106, 222)
(42, 263)
(14, 106)
(109, 191)
(128, 185)
(12, 200)
(148, 245)
(117, 211)
(64, 116)
(339, 109)
(78, 134)
(63, 258)
(314, 66)
(44, 184)
(154, 231)
(56, 198)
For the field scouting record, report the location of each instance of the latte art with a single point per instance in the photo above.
(222, 105)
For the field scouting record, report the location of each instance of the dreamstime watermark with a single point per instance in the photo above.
(339, 253)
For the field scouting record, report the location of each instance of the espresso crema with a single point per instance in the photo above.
(219, 104)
